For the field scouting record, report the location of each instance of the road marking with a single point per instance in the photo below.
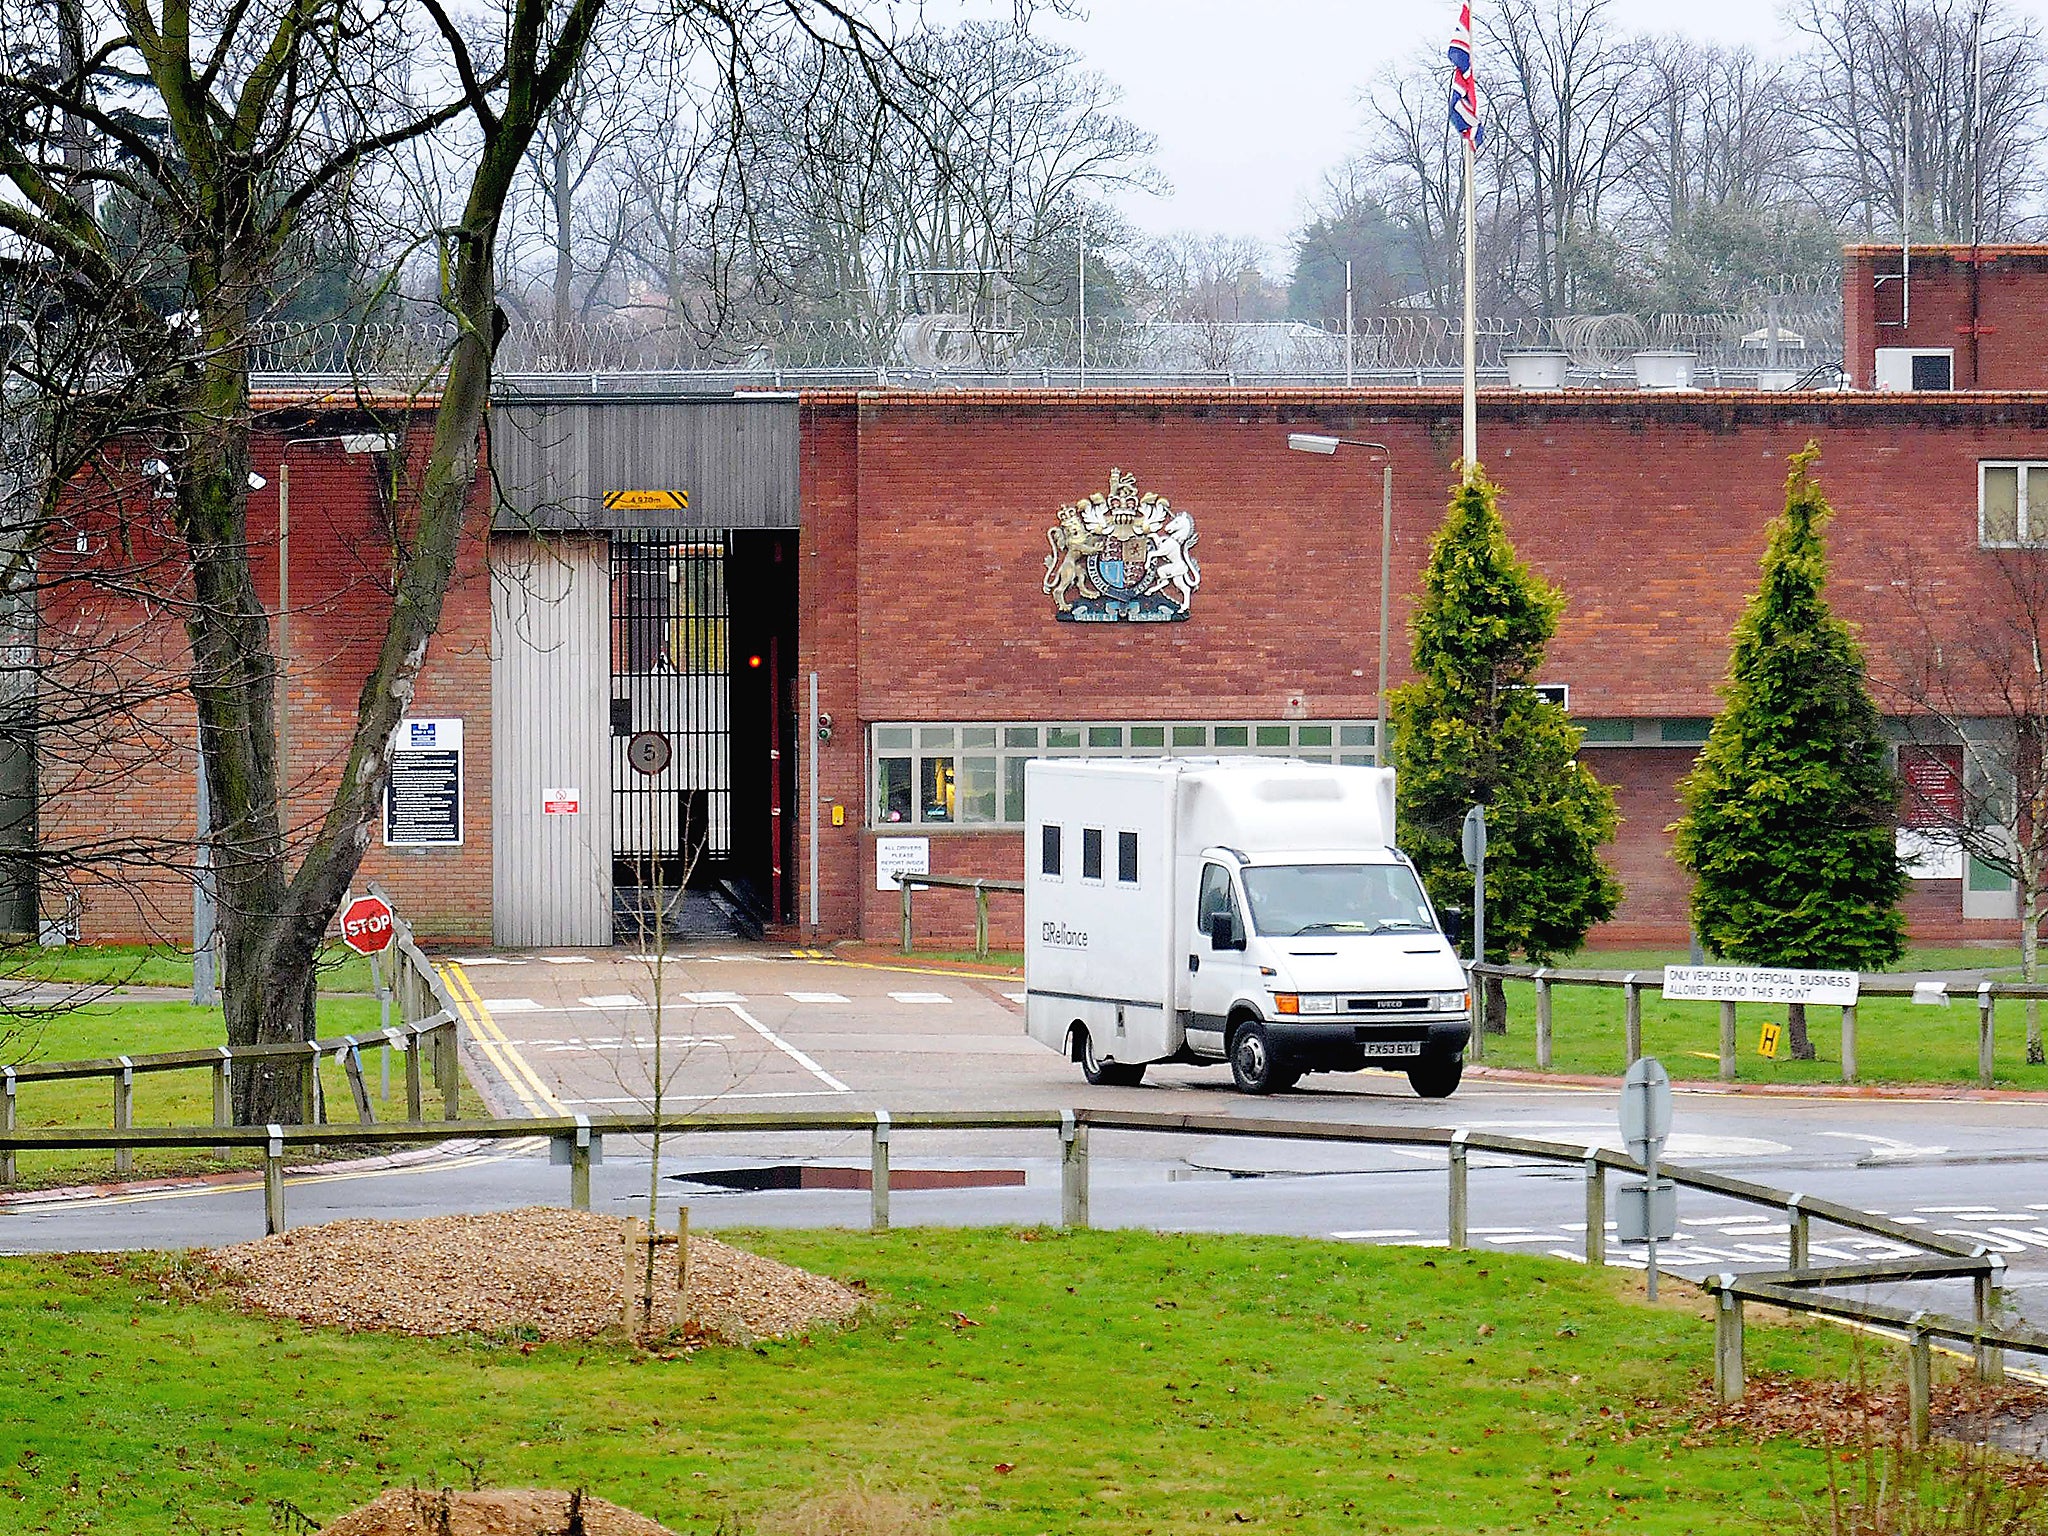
(921, 997)
(496, 1046)
(255, 1182)
(612, 1000)
(713, 999)
(1885, 1146)
(566, 959)
(667, 1040)
(669, 1098)
(787, 1049)
(815, 997)
(1016, 997)
(514, 1005)
(473, 960)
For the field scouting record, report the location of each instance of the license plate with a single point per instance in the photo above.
(1390, 1048)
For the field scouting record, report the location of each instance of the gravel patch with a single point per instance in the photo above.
(493, 1512)
(538, 1273)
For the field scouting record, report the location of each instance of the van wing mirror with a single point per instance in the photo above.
(1224, 932)
(1454, 925)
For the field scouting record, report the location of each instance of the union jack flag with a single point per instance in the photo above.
(1464, 89)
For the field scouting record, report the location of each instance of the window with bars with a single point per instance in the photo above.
(957, 774)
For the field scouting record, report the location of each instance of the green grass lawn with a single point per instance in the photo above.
(154, 965)
(169, 1098)
(1896, 1040)
(1023, 1381)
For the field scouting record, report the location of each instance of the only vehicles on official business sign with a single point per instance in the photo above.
(1248, 910)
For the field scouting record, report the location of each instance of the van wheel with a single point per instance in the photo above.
(1107, 1074)
(1255, 1066)
(1437, 1077)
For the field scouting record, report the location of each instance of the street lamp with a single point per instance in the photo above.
(1311, 442)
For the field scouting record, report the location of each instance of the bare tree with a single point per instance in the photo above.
(208, 146)
(1889, 96)
(1973, 698)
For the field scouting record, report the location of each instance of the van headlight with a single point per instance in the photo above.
(1299, 1002)
(1450, 1002)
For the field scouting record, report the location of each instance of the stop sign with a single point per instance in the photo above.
(366, 924)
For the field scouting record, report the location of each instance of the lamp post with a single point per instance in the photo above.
(1309, 442)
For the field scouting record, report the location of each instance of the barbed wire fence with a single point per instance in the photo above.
(1795, 332)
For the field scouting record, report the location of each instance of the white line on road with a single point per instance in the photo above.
(612, 1000)
(787, 1049)
(921, 997)
(513, 1005)
(815, 997)
(567, 959)
(790, 1093)
(712, 999)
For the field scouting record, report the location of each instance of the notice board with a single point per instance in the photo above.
(423, 796)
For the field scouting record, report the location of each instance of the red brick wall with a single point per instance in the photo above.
(1650, 513)
(2011, 294)
(340, 599)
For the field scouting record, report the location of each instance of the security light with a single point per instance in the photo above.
(1309, 442)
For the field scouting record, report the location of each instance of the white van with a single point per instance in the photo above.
(1251, 910)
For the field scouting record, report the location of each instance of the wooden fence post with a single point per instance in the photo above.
(1985, 1026)
(1727, 1042)
(124, 1113)
(1919, 1379)
(1632, 1017)
(223, 1098)
(352, 1069)
(1984, 1289)
(1460, 1191)
(1798, 1235)
(1073, 1171)
(1727, 1342)
(682, 1267)
(878, 1163)
(980, 921)
(1849, 1043)
(415, 1092)
(1596, 1211)
(8, 1172)
(1543, 1019)
(904, 885)
(637, 1247)
(449, 1061)
(309, 1086)
(273, 1182)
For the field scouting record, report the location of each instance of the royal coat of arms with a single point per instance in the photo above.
(1122, 556)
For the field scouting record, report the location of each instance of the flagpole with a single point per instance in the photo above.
(1471, 324)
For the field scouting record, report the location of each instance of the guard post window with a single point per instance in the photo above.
(1091, 853)
(1049, 850)
(2005, 496)
(1127, 857)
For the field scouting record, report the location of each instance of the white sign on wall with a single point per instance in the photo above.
(560, 802)
(1925, 858)
(900, 856)
(423, 793)
(1757, 984)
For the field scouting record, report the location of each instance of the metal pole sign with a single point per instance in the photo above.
(1648, 1212)
(1475, 860)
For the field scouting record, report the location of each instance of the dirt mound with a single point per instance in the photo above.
(493, 1512)
(537, 1273)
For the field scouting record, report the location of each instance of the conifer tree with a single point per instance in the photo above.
(1472, 730)
(1788, 826)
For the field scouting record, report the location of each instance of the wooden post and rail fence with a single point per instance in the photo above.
(577, 1143)
(981, 888)
(427, 1034)
(1986, 995)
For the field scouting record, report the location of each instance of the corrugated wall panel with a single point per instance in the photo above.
(557, 460)
(551, 875)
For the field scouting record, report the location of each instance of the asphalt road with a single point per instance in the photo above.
(760, 1028)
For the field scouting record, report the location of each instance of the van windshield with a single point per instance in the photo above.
(1291, 899)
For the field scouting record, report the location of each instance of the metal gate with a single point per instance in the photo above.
(670, 679)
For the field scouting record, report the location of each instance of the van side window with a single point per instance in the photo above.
(1127, 857)
(1091, 853)
(1048, 850)
(1214, 896)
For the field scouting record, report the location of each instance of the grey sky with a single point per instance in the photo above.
(1251, 102)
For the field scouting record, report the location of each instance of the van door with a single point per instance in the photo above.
(1216, 975)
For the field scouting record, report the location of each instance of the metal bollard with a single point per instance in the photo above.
(1849, 1043)
(124, 1112)
(1632, 1017)
(273, 1182)
(1798, 1237)
(1073, 1171)
(1727, 1342)
(8, 1172)
(878, 1153)
(1985, 1025)
(1596, 1211)
(1460, 1190)
(1727, 1042)
(1919, 1379)
(1543, 1020)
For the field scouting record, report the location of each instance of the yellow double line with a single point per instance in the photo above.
(497, 1049)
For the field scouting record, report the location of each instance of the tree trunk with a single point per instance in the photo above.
(2030, 962)
(1795, 1032)
(1494, 1005)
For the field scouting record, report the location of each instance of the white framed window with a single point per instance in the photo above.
(2007, 490)
(936, 773)
(1915, 368)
